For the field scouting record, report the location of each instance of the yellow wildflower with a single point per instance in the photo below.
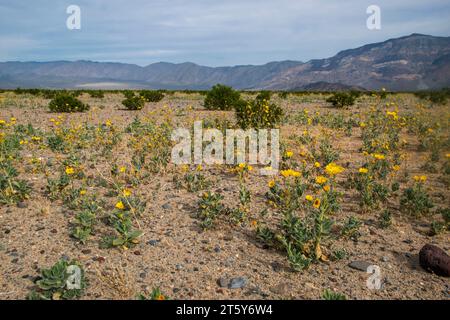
(309, 197)
(326, 188)
(321, 180)
(333, 169)
(70, 170)
(379, 156)
(317, 164)
(316, 203)
(126, 192)
(119, 205)
(289, 154)
(363, 170)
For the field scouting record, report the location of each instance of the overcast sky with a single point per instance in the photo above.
(207, 32)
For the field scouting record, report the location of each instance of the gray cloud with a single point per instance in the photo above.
(209, 32)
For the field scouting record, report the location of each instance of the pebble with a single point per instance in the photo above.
(237, 283)
(21, 205)
(166, 206)
(217, 249)
(282, 289)
(153, 242)
(86, 251)
(179, 267)
(359, 265)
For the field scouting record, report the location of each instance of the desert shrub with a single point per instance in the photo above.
(65, 280)
(12, 189)
(435, 97)
(221, 97)
(264, 95)
(259, 113)
(151, 96)
(134, 102)
(96, 94)
(415, 200)
(342, 99)
(67, 103)
(283, 95)
(331, 295)
(211, 208)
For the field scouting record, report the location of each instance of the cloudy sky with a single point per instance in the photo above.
(208, 32)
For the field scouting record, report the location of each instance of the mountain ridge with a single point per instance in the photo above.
(410, 62)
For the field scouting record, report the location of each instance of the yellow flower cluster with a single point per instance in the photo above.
(290, 173)
(321, 180)
(420, 178)
(333, 169)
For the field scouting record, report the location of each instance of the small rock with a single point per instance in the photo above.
(282, 289)
(385, 259)
(142, 275)
(166, 206)
(434, 259)
(22, 205)
(153, 242)
(137, 253)
(54, 231)
(408, 241)
(86, 251)
(217, 249)
(99, 259)
(223, 282)
(359, 265)
(179, 267)
(237, 283)
(276, 266)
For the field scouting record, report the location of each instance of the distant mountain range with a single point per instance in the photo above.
(407, 63)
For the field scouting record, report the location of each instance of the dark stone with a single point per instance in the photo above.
(359, 265)
(54, 231)
(217, 249)
(22, 205)
(166, 206)
(223, 282)
(237, 283)
(86, 251)
(153, 242)
(434, 259)
(137, 253)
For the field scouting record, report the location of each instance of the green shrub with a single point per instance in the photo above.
(64, 280)
(134, 103)
(221, 97)
(259, 113)
(264, 95)
(415, 201)
(67, 103)
(151, 96)
(96, 94)
(342, 99)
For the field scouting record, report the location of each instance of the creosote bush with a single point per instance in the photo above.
(221, 97)
(151, 96)
(342, 99)
(67, 103)
(134, 102)
(259, 113)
